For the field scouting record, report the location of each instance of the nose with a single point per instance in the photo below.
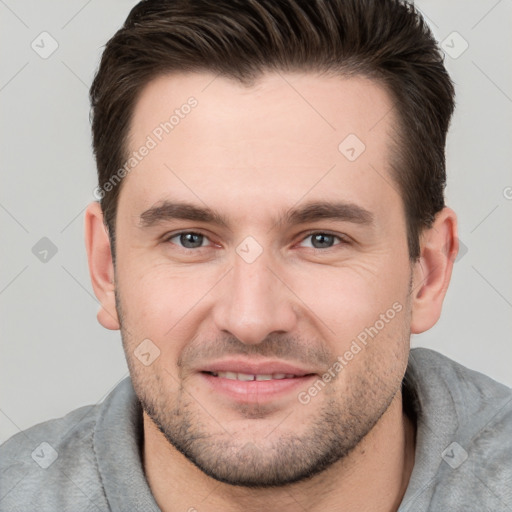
(254, 302)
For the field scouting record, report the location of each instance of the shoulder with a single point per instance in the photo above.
(52, 465)
(467, 417)
(442, 380)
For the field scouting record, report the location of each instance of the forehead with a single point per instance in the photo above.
(288, 136)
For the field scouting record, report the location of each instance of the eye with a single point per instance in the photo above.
(188, 240)
(320, 240)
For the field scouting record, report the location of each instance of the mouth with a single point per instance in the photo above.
(247, 377)
(250, 382)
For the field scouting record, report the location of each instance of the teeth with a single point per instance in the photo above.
(245, 376)
(248, 377)
(263, 377)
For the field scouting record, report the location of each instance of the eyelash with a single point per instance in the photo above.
(342, 240)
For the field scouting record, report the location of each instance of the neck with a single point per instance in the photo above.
(373, 477)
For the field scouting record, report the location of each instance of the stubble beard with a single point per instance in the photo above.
(339, 420)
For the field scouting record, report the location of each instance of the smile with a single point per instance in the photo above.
(249, 377)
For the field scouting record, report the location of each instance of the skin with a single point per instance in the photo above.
(250, 154)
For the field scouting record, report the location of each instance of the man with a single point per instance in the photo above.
(271, 230)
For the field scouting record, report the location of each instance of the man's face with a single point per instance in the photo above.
(269, 287)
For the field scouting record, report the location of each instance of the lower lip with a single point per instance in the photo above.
(256, 390)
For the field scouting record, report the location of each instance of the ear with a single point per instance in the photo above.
(439, 246)
(101, 267)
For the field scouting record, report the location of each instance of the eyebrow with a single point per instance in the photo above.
(170, 210)
(326, 210)
(310, 212)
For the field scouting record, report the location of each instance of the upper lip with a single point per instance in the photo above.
(255, 367)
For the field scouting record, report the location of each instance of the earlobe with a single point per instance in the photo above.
(439, 246)
(101, 268)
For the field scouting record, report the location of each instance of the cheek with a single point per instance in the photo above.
(160, 302)
(346, 300)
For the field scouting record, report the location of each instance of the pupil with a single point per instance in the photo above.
(191, 240)
(322, 240)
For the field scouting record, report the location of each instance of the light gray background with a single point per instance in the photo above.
(55, 356)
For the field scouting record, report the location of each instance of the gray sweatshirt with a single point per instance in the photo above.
(90, 460)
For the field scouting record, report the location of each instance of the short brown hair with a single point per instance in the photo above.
(385, 40)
